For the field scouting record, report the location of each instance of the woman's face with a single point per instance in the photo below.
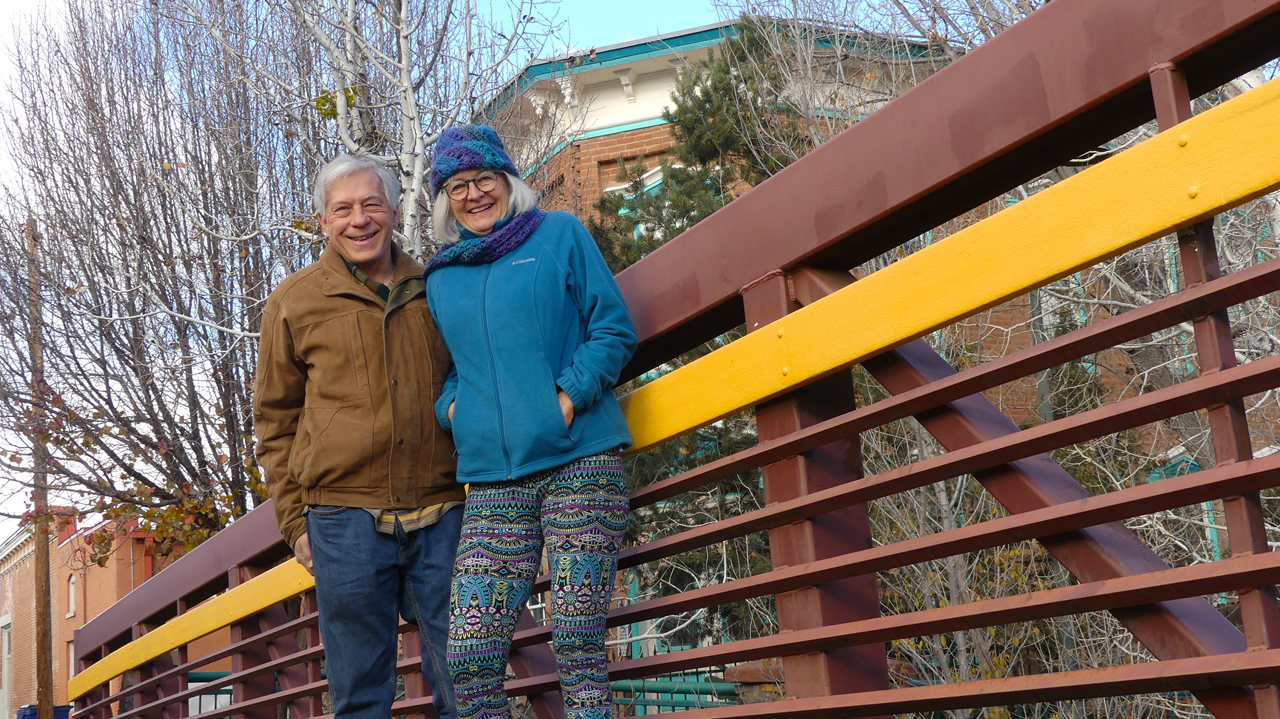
(475, 209)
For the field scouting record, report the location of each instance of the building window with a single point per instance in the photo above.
(5, 654)
(71, 659)
(71, 596)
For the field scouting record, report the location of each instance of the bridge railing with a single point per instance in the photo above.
(1072, 76)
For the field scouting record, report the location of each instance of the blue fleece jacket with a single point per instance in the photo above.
(546, 316)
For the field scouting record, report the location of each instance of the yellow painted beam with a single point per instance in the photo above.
(1223, 157)
(1217, 160)
(273, 586)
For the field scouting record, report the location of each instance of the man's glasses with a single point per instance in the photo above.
(484, 182)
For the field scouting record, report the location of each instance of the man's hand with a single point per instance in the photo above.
(451, 404)
(566, 408)
(302, 553)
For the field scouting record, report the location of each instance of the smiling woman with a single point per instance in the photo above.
(478, 199)
(538, 332)
(520, 198)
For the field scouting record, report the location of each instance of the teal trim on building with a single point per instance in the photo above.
(628, 127)
(635, 51)
(658, 46)
(591, 134)
(685, 41)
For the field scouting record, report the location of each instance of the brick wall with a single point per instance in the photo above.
(97, 588)
(17, 592)
(576, 177)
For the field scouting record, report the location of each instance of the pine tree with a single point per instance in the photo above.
(714, 110)
(710, 164)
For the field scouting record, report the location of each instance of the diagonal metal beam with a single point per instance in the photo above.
(1109, 507)
(1068, 78)
(1179, 629)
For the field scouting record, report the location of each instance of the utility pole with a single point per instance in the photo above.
(40, 492)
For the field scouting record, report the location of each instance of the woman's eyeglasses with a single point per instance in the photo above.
(484, 182)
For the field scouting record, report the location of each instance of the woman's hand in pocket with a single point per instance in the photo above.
(566, 408)
(451, 404)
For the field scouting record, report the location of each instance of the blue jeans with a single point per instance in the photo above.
(363, 580)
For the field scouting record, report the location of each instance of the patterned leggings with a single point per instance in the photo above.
(580, 510)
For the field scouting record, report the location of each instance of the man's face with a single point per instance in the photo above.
(357, 220)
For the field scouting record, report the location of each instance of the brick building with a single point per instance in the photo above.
(80, 589)
(569, 119)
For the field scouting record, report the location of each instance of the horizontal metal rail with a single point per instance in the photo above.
(230, 650)
(1196, 580)
(1188, 396)
(1223, 670)
(1225, 481)
(1212, 162)
(1216, 577)
(1217, 160)
(278, 584)
(1184, 306)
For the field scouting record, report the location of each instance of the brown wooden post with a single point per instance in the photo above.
(1228, 426)
(855, 669)
(253, 687)
(40, 493)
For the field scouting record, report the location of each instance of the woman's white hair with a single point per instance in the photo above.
(347, 165)
(523, 199)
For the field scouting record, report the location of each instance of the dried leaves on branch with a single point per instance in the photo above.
(165, 152)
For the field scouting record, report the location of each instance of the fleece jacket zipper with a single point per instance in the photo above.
(493, 365)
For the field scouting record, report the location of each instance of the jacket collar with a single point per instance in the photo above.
(338, 280)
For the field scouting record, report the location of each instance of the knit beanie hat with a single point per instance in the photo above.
(468, 147)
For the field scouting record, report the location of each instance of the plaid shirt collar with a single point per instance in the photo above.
(382, 291)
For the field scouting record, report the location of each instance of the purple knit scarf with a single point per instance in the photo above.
(481, 250)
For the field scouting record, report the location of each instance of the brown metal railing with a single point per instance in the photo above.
(1082, 92)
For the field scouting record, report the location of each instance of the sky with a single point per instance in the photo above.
(9, 10)
(590, 24)
(596, 23)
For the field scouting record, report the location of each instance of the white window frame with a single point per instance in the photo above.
(72, 582)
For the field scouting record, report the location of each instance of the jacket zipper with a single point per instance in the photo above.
(391, 400)
(493, 366)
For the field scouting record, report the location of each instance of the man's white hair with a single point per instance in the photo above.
(347, 165)
(523, 199)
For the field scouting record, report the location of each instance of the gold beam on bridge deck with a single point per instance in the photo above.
(1226, 156)
(1222, 158)
(271, 587)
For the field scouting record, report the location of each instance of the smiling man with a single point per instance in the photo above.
(361, 473)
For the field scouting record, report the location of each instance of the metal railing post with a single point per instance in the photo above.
(1228, 425)
(253, 687)
(840, 671)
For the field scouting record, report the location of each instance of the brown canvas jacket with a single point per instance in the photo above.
(344, 395)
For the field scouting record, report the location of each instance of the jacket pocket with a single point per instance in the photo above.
(473, 434)
(437, 358)
(334, 350)
(341, 446)
(541, 429)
